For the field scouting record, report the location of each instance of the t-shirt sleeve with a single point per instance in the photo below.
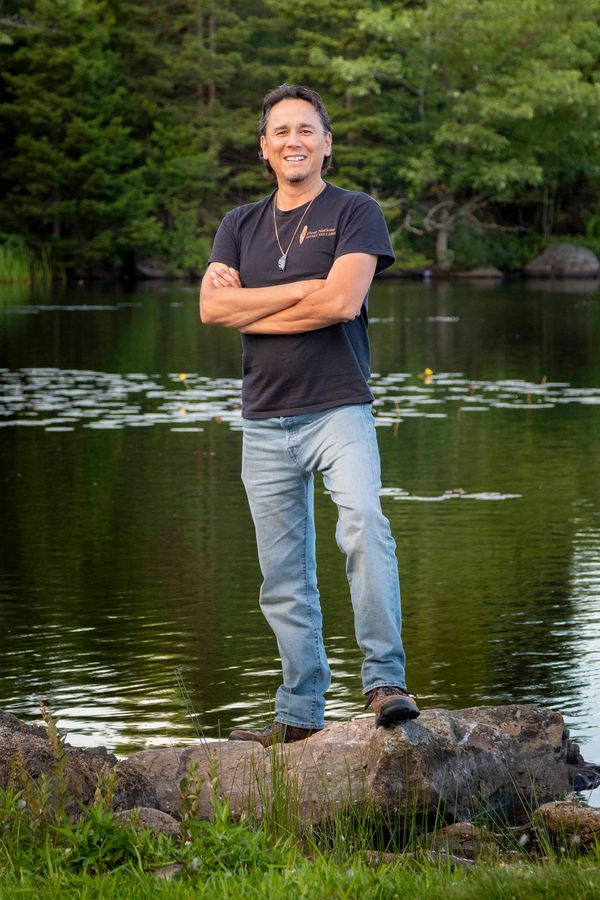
(365, 231)
(225, 248)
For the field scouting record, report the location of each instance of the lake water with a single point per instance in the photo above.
(127, 549)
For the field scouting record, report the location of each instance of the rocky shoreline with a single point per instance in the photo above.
(512, 763)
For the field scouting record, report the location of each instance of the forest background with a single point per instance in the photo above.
(128, 128)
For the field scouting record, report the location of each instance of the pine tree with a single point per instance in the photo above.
(74, 175)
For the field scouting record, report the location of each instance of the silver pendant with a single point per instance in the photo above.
(281, 262)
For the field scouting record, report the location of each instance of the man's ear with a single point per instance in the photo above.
(263, 145)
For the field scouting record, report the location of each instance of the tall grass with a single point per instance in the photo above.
(19, 263)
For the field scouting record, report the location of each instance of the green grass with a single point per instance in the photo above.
(303, 878)
(44, 853)
(19, 264)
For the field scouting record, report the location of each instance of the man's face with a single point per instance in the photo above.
(294, 143)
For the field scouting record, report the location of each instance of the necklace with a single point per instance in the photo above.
(282, 261)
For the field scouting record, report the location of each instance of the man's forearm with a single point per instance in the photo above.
(237, 307)
(339, 299)
(319, 310)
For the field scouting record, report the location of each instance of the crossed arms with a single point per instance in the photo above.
(288, 308)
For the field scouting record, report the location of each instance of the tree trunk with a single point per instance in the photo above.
(444, 227)
(200, 99)
(212, 46)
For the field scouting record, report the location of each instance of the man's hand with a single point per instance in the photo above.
(224, 276)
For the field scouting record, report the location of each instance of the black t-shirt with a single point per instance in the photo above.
(290, 374)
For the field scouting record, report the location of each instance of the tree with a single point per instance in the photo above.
(73, 176)
(128, 128)
(485, 104)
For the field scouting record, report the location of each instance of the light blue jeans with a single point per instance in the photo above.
(280, 457)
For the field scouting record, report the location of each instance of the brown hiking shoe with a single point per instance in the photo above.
(276, 733)
(392, 704)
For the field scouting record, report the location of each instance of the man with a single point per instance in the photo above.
(292, 272)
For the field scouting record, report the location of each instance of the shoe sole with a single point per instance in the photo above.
(251, 737)
(267, 741)
(396, 714)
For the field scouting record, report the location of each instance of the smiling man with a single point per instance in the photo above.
(292, 272)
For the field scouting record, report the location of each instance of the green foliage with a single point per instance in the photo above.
(127, 129)
(18, 263)
(14, 262)
(508, 252)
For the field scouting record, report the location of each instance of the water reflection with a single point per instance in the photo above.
(128, 550)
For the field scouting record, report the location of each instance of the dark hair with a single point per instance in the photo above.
(293, 92)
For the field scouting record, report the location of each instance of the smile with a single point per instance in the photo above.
(294, 158)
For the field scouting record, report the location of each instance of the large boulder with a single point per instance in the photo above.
(564, 261)
(448, 764)
(26, 753)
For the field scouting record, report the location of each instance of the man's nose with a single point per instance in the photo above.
(293, 139)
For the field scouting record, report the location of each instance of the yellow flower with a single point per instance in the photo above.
(182, 376)
(426, 372)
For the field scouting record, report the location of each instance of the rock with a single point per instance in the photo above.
(377, 858)
(142, 818)
(158, 270)
(462, 839)
(583, 776)
(444, 764)
(456, 764)
(447, 860)
(133, 789)
(569, 823)
(26, 754)
(480, 272)
(240, 766)
(170, 872)
(564, 261)
(153, 269)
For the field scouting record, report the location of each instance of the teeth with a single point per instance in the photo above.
(294, 158)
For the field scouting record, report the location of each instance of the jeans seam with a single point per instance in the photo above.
(391, 561)
(310, 606)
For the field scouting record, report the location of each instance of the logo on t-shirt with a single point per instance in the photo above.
(308, 233)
